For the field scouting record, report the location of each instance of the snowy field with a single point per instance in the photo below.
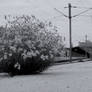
(75, 77)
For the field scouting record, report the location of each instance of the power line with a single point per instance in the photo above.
(82, 12)
(60, 12)
(88, 9)
(79, 7)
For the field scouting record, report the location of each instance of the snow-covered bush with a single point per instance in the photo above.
(29, 45)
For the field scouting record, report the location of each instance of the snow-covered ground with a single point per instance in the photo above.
(76, 77)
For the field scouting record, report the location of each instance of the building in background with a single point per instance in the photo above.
(83, 49)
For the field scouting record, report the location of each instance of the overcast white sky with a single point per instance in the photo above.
(44, 10)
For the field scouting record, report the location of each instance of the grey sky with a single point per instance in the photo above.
(44, 10)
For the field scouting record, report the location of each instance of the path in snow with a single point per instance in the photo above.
(75, 77)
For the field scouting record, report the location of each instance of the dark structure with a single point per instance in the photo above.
(80, 52)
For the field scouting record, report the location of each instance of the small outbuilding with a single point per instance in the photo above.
(80, 52)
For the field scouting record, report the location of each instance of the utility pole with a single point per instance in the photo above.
(86, 38)
(86, 44)
(70, 33)
(70, 23)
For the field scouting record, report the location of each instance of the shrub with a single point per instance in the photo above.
(23, 61)
(29, 45)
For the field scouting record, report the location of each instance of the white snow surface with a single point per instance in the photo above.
(76, 77)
